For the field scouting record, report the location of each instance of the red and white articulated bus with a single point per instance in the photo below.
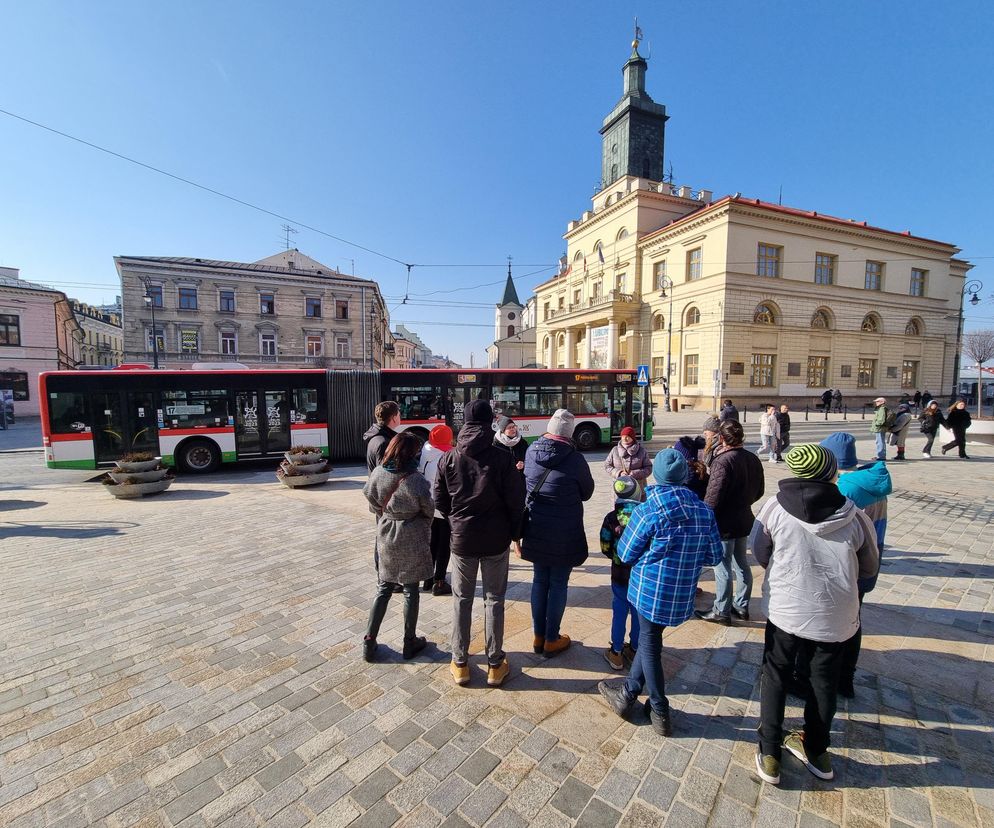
(197, 419)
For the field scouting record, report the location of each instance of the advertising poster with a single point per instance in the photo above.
(598, 347)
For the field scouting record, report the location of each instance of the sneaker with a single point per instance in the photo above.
(616, 698)
(742, 615)
(926, 455)
(413, 646)
(944, 450)
(768, 768)
(660, 723)
(552, 648)
(441, 588)
(820, 766)
(460, 673)
(628, 653)
(538, 644)
(368, 648)
(616, 660)
(496, 675)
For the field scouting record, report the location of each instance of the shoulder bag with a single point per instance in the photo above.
(526, 518)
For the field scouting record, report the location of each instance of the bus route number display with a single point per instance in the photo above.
(461, 378)
(185, 410)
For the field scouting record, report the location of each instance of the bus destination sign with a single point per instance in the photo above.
(461, 378)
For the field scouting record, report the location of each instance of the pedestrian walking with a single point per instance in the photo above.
(509, 438)
(629, 459)
(400, 498)
(926, 397)
(627, 495)
(783, 418)
(837, 399)
(769, 433)
(883, 419)
(483, 496)
(899, 429)
(931, 419)
(728, 412)
(958, 421)
(558, 480)
(736, 481)
(917, 399)
(439, 442)
(668, 540)
(826, 399)
(814, 544)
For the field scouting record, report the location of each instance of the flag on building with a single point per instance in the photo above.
(600, 254)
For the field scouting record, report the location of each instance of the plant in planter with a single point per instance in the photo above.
(137, 474)
(303, 466)
(138, 461)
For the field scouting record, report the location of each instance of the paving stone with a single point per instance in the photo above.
(192, 801)
(449, 794)
(478, 766)
(480, 805)
(572, 797)
(375, 787)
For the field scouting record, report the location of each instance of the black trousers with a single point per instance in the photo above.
(959, 439)
(853, 645)
(824, 662)
(929, 439)
(412, 604)
(441, 546)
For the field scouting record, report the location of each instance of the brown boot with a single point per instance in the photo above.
(553, 647)
(538, 644)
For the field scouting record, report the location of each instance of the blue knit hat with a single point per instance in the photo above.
(843, 445)
(669, 468)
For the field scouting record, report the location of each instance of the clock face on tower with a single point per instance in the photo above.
(511, 315)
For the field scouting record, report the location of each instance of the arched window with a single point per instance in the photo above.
(614, 172)
(659, 322)
(561, 340)
(546, 343)
(578, 256)
(765, 314)
(915, 327)
(623, 329)
(598, 252)
(692, 317)
(622, 234)
(821, 319)
(510, 330)
(871, 323)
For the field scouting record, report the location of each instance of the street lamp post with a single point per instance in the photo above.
(372, 333)
(150, 301)
(973, 288)
(665, 283)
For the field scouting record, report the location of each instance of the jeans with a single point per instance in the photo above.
(881, 438)
(441, 540)
(734, 561)
(548, 599)
(824, 662)
(620, 611)
(647, 668)
(412, 603)
(768, 445)
(493, 573)
(929, 439)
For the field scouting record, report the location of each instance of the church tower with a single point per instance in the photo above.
(635, 129)
(507, 320)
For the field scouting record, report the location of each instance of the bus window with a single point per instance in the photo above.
(587, 399)
(189, 409)
(307, 406)
(67, 412)
(420, 402)
(542, 401)
(506, 400)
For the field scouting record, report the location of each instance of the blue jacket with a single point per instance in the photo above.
(868, 487)
(669, 539)
(555, 534)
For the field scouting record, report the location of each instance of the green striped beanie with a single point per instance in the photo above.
(812, 462)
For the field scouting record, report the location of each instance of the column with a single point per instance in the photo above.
(570, 346)
(612, 344)
(550, 356)
(586, 347)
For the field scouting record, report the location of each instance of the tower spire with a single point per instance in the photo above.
(510, 293)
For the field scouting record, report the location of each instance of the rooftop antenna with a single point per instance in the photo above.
(287, 230)
(780, 197)
(668, 178)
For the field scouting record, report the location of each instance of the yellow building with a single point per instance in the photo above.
(737, 297)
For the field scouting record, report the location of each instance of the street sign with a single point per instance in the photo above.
(642, 375)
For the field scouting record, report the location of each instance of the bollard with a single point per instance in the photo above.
(845, 412)
(863, 412)
(826, 412)
(805, 413)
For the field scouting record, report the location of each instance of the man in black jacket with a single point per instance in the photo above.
(483, 495)
(380, 433)
(783, 417)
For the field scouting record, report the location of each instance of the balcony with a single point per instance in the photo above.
(608, 304)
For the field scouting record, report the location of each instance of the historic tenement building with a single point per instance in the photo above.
(103, 337)
(738, 297)
(287, 310)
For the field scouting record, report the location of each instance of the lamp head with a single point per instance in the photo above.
(974, 300)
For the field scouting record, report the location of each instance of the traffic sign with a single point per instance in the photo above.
(642, 375)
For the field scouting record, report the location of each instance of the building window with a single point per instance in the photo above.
(16, 381)
(598, 289)
(659, 275)
(871, 323)
(226, 301)
(188, 298)
(825, 269)
(817, 371)
(341, 309)
(545, 311)
(821, 320)
(267, 344)
(768, 260)
(315, 346)
(342, 349)
(576, 297)
(160, 339)
(658, 368)
(622, 234)
(918, 278)
(623, 329)
(10, 329)
(866, 373)
(189, 341)
(914, 327)
(267, 304)
(909, 374)
(229, 342)
(763, 370)
(659, 322)
(312, 307)
(874, 275)
(620, 282)
(561, 302)
(692, 317)
(694, 261)
(510, 330)
(690, 366)
(154, 292)
(764, 315)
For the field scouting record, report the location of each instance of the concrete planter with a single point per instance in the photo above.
(296, 481)
(143, 466)
(136, 476)
(308, 458)
(132, 490)
(304, 468)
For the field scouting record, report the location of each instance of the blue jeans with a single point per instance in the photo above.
(734, 561)
(881, 438)
(549, 599)
(647, 668)
(620, 610)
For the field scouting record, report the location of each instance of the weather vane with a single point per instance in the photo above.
(638, 35)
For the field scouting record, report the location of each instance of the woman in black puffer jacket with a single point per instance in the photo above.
(931, 419)
(958, 421)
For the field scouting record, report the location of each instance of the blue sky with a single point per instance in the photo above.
(457, 133)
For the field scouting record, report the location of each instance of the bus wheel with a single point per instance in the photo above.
(198, 456)
(586, 438)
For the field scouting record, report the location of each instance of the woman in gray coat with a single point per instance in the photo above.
(400, 498)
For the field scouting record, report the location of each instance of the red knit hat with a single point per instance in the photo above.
(628, 431)
(441, 437)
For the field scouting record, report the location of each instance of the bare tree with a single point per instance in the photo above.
(979, 346)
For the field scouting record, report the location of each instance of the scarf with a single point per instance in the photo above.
(504, 440)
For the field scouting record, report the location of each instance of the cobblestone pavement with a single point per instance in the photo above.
(193, 659)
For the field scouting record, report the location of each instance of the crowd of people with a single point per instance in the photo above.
(489, 495)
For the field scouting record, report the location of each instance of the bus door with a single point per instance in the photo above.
(142, 423)
(109, 438)
(262, 423)
(462, 395)
(621, 410)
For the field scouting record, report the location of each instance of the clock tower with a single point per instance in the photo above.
(508, 315)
